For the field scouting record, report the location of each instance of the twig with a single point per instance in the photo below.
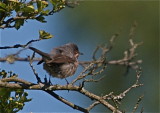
(12, 79)
(142, 109)
(132, 30)
(137, 104)
(34, 71)
(19, 45)
(100, 99)
(19, 59)
(94, 68)
(72, 4)
(93, 80)
(66, 101)
(21, 85)
(133, 65)
(81, 76)
(93, 105)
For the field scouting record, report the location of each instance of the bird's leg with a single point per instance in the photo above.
(47, 82)
(50, 80)
(67, 83)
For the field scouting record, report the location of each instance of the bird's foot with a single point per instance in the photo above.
(47, 82)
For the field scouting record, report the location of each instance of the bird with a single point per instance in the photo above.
(61, 62)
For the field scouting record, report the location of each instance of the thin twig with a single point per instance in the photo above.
(19, 45)
(81, 76)
(93, 105)
(66, 101)
(137, 104)
(13, 79)
(34, 71)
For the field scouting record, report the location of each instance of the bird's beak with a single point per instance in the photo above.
(77, 54)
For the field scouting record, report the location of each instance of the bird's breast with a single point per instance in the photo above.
(61, 70)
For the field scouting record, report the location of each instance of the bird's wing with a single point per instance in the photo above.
(56, 51)
(43, 54)
(61, 59)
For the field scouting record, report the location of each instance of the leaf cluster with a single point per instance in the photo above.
(4, 74)
(44, 35)
(11, 100)
(13, 13)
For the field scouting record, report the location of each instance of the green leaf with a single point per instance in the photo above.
(2, 10)
(19, 23)
(5, 92)
(41, 19)
(18, 7)
(10, 103)
(2, 7)
(53, 2)
(44, 35)
(41, 5)
(16, 1)
(12, 5)
(28, 9)
(45, 13)
(57, 5)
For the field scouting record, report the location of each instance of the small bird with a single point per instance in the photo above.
(62, 62)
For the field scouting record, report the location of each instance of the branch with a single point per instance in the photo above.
(7, 24)
(22, 84)
(34, 71)
(19, 45)
(12, 79)
(66, 101)
(15, 58)
(137, 104)
(93, 105)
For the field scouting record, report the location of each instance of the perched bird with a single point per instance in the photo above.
(62, 62)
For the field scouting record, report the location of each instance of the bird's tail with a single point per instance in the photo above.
(44, 55)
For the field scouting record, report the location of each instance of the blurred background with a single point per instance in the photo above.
(88, 25)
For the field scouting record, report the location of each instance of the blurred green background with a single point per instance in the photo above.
(94, 22)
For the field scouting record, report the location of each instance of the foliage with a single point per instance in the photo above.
(11, 100)
(14, 13)
(44, 35)
(4, 74)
